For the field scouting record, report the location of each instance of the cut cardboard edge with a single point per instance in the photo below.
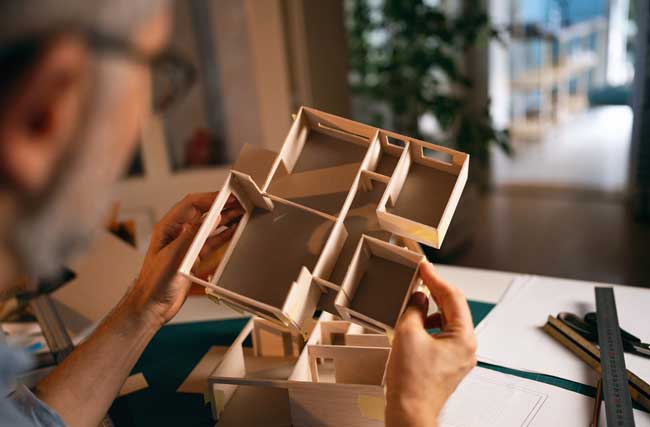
(384, 250)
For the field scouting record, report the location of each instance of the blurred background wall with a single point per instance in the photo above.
(540, 93)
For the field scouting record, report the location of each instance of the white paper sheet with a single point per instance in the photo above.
(511, 335)
(488, 398)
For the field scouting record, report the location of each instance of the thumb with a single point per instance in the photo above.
(174, 252)
(416, 311)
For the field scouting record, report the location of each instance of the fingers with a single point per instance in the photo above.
(415, 313)
(215, 242)
(161, 267)
(190, 208)
(228, 216)
(173, 253)
(209, 260)
(450, 300)
(434, 321)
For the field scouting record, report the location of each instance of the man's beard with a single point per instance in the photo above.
(60, 224)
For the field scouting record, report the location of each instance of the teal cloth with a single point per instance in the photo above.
(610, 95)
(166, 362)
(176, 349)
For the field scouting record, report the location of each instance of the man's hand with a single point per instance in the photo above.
(159, 291)
(424, 369)
(82, 388)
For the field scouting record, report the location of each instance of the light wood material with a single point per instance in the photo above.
(242, 366)
(367, 340)
(322, 160)
(255, 162)
(133, 383)
(360, 219)
(197, 380)
(333, 404)
(329, 291)
(378, 284)
(258, 406)
(305, 161)
(271, 340)
(402, 211)
(352, 365)
(330, 223)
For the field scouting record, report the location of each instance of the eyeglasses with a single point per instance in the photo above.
(172, 74)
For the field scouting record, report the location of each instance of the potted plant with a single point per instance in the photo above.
(408, 64)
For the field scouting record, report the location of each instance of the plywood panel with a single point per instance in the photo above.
(324, 151)
(382, 290)
(326, 301)
(197, 380)
(424, 195)
(271, 251)
(361, 219)
(319, 404)
(257, 406)
(387, 163)
(367, 340)
(256, 162)
(320, 157)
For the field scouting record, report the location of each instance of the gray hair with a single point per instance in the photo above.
(24, 18)
(59, 225)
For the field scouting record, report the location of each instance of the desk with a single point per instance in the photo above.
(178, 347)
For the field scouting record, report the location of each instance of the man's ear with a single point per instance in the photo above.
(41, 112)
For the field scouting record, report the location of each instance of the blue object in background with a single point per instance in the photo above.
(546, 11)
(34, 347)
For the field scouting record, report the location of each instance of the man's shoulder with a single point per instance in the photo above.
(12, 363)
(20, 407)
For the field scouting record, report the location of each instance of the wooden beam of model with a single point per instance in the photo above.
(331, 223)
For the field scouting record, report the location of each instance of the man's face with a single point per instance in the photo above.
(88, 137)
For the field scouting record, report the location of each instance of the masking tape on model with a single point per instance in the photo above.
(391, 335)
(218, 401)
(371, 407)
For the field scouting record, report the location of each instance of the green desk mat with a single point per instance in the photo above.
(176, 349)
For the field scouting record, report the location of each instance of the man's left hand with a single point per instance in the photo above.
(160, 291)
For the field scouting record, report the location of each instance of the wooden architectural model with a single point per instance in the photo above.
(330, 224)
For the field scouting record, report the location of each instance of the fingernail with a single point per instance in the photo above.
(196, 214)
(418, 298)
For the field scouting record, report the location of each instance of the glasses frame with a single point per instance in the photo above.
(169, 68)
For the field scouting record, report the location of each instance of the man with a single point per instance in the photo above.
(75, 78)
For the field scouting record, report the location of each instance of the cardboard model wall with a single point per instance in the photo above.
(331, 223)
(321, 219)
(338, 378)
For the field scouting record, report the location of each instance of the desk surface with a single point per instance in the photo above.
(200, 324)
(170, 357)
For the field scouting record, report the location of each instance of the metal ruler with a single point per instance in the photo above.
(54, 331)
(618, 404)
(56, 335)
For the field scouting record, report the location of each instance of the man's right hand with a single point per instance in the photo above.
(424, 369)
